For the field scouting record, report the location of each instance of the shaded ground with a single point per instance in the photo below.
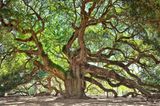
(53, 101)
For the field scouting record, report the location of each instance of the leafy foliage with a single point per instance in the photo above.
(92, 40)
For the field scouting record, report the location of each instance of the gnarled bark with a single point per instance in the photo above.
(74, 84)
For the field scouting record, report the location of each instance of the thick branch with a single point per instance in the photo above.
(113, 75)
(50, 69)
(91, 80)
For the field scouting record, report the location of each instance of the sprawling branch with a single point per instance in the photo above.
(113, 75)
(107, 79)
(91, 80)
(50, 69)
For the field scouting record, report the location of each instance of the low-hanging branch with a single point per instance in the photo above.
(113, 75)
(91, 80)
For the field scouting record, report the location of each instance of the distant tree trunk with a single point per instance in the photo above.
(2, 94)
(74, 83)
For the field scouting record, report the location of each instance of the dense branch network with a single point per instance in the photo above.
(88, 19)
(115, 59)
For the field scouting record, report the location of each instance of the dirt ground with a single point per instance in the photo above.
(54, 101)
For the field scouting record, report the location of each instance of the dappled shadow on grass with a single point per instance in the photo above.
(54, 101)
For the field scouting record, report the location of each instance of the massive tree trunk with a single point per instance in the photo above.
(74, 83)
